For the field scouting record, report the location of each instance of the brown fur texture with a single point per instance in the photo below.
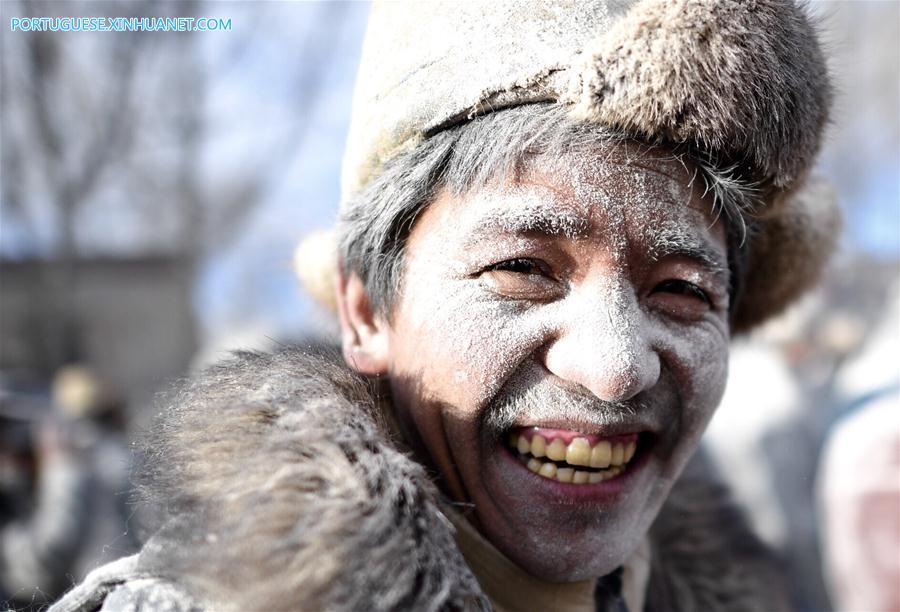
(278, 490)
(744, 82)
(788, 254)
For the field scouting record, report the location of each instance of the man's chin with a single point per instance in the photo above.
(587, 565)
(559, 555)
(565, 532)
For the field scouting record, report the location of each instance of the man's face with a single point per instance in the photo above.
(559, 345)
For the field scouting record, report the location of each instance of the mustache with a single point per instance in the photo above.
(545, 400)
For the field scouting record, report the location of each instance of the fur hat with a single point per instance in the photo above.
(742, 84)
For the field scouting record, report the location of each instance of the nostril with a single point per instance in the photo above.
(540, 354)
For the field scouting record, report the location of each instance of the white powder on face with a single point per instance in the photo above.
(622, 199)
(530, 213)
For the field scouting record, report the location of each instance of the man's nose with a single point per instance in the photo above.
(603, 345)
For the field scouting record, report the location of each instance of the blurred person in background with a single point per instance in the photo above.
(46, 504)
(16, 483)
(93, 412)
(64, 489)
(858, 480)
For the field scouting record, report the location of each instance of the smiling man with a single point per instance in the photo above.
(558, 345)
(555, 217)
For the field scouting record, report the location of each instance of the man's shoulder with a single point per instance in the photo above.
(121, 586)
(314, 368)
(216, 427)
(275, 470)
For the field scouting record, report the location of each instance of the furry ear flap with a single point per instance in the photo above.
(788, 253)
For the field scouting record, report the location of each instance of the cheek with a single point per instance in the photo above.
(698, 361)
(709, 384)
(459, 343)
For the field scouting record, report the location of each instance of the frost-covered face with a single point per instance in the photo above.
(559, 346)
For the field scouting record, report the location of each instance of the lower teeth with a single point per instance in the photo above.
(569, 475)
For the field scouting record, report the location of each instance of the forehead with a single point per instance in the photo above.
(622, 196)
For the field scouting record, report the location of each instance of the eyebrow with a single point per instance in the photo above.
(673, 243)
(545, 220)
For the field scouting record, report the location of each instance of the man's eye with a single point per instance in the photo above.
(522, 278)
(682, 288)
(519, 266)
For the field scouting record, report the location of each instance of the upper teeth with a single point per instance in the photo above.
(579, 451)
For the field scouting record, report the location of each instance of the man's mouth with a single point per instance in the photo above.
(570, 457)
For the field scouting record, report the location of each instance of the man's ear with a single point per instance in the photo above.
(364, 336)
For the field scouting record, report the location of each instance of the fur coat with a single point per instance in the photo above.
(278, 487)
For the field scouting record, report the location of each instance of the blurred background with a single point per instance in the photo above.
(153, 186)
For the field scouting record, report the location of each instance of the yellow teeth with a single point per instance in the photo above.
(608, 458)
(578, 452)
(538, 446)
(600, 455)
(570, 475)
(548, 470)
(523, 445)
(556, 451)
(565, 474)
(618, 454)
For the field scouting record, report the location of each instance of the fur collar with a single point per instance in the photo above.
(276, 486)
